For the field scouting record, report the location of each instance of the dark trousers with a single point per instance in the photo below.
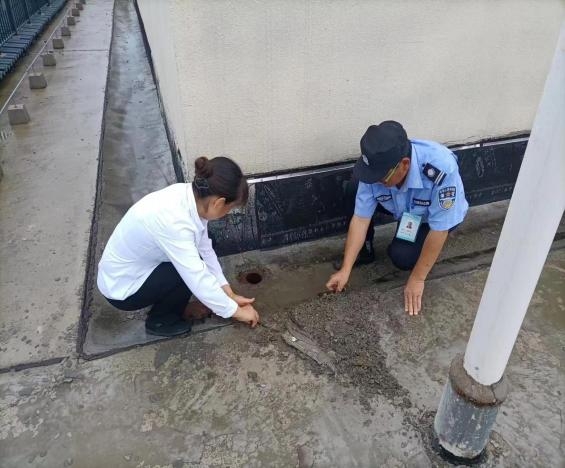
(164, 289)
(403, 254)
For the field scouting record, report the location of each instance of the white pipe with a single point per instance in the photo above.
(533, 216)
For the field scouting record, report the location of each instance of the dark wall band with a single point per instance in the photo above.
(308, 206)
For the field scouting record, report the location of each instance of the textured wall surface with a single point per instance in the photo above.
(292, 83)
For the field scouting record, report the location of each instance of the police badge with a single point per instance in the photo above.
(446, 197)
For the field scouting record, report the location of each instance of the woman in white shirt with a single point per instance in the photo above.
(160, 253)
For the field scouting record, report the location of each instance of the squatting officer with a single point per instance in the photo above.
(416, 181)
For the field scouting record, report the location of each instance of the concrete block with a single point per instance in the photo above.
(49, 59)
(75, 12)
(37, 81)
(58, 43)
(17, 114)
(79, 6)
(65, 31)
(71, 21)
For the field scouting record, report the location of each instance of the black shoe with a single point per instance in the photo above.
(366, 256)
(154, 326)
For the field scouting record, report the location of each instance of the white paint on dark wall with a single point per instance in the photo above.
(291, 83)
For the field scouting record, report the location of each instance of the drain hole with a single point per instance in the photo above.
(250, 276)
(253, 278)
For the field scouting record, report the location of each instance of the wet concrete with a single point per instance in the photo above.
(294, 274)
(240, 397)
(232, 396)
(47, 197)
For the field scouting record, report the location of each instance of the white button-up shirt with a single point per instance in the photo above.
(164, 226)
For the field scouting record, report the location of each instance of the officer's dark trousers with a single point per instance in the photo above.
(403, 254)
(165, 290)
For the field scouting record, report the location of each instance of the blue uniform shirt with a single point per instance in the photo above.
(442, 204)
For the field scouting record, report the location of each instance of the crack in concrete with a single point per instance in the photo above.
(32, 365)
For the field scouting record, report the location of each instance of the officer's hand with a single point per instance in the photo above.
(247, 314)
(338, 281)
(413, 292)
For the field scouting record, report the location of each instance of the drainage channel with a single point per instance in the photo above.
(135, 159)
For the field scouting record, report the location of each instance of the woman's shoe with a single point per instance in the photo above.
(157, 327)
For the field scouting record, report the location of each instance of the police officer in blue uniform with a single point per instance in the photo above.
(416, 181)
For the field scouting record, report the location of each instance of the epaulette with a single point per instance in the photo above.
(434, 174)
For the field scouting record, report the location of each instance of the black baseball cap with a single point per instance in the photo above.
(382, 147)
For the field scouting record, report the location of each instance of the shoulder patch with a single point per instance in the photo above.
(446, 197)
(383, 198)
(434, 174)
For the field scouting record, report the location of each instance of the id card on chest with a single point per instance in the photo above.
(408, 227)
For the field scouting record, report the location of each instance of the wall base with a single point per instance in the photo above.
(309, 204)
(467, 411)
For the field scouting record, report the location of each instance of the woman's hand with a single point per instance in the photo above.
(241, 300)
(247, 314)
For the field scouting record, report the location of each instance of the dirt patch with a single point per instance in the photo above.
(339, 336)
(334, 332)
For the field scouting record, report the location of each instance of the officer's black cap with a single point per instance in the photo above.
(382, 147)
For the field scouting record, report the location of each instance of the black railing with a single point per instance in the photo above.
(15, 14)
(21, 22)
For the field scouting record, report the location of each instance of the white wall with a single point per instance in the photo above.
(282, 84)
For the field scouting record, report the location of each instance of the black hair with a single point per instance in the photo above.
(221, 177)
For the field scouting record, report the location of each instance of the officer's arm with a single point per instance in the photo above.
(430, 252)
(355, 239)
(415, 285)
(365, 205)
(447, 209)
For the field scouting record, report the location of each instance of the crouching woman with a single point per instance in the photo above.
(160, 254)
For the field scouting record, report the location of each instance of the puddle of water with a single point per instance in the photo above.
(282, 287)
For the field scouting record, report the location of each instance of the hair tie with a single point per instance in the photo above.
(201, 184)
